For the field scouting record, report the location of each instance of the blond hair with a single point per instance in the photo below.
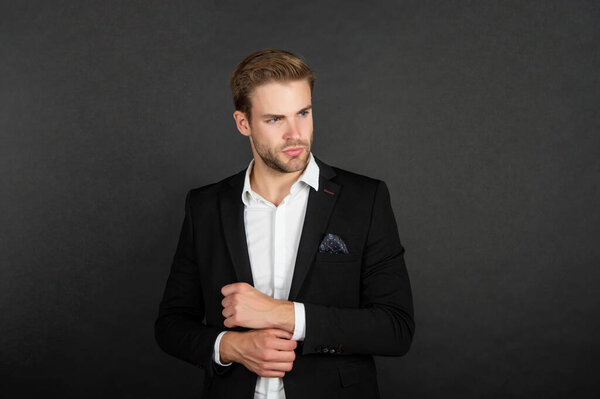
(264, 66)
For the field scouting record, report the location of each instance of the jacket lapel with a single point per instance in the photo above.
(318, 211)
(232, 215)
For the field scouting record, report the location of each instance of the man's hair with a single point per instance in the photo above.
(265, 66)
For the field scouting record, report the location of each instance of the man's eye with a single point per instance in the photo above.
(272, 120)
(303, 113)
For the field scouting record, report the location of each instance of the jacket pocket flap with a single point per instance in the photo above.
(350, 375)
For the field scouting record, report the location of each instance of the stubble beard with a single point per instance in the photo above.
(270, 158)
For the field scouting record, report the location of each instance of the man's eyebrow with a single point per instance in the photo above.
(309, 106)
(270, 116)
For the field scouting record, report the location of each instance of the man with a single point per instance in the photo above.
(289, 275)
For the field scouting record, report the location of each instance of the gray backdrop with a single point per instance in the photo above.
(482, 117)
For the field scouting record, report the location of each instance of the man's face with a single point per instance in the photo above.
(281, 131)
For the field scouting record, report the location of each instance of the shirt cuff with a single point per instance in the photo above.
(216, 356)
(299, 322)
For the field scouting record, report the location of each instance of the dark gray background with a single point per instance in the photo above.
(482, 117)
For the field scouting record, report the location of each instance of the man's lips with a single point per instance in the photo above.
(292, 152)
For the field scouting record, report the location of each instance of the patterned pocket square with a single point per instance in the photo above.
(333, 244)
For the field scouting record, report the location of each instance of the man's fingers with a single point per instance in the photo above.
(230, 322)
(280, 356)
(278, 366)
(227, 312)
(271, 374)
(280, 333)
(230, 300)
(235, 287)
(229, 289)
(284, 344)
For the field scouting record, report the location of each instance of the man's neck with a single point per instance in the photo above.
(270, 184)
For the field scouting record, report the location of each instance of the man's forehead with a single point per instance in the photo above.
(280, 97)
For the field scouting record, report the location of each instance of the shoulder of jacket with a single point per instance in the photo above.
(346, 177)
(212, 189)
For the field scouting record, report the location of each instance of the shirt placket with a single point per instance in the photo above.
(274, 385)
(279, 237)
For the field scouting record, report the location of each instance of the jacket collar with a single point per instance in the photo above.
(310, 177)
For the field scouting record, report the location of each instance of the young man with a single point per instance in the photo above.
(289, 275)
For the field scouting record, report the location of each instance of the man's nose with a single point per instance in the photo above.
(292, 133)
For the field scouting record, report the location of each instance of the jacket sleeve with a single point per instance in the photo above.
(179, 329)
(384, 323)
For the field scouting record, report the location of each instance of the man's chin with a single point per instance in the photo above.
(296, 163)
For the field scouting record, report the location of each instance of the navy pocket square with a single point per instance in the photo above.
(333, 244)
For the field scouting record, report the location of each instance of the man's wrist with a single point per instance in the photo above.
(226, 352)
(285, 316)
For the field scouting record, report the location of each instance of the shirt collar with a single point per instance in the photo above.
(310, 176)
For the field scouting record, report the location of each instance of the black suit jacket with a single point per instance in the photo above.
(357, 305)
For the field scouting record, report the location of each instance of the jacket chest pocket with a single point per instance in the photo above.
(352, 243)
(334, 280)
(326, 257)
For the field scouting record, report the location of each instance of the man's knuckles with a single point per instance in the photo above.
(267, 356)
(241, 287)
(231, 311)
(288, 356)
(262, 366)
(235, 287)
(265, 341)
(230, 299)
(230, 322)
(268, 343)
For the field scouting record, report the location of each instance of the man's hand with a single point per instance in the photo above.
(267, 353)
(245, 306)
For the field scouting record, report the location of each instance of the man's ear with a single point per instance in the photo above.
(242, 123)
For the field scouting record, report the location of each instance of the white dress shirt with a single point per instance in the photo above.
(273, 235)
